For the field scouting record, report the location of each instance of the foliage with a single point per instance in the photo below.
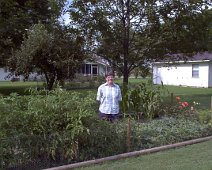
(143, 101)
(43, 124)
(57, 127)
(172, 129)
(143, 72)
(101, 143)
(106, 140)
(180, 107)
(204, 116)
(55, 54)
(132, 34)
(16, 17)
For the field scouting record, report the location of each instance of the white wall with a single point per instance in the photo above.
(210, 75)
(4, 74)
(181, 75)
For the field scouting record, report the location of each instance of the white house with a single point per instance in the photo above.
(89, 68)
(5, 76)
(96, 67)
(196, 72)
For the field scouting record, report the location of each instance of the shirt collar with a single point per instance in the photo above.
(106, 84)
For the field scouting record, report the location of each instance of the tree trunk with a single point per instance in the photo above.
(50, 79)
(125, 76)
(126, 24)
(50, 83)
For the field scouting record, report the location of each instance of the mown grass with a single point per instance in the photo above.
(8, 87)
(195, 157)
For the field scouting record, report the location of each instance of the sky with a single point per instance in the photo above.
(66, 16)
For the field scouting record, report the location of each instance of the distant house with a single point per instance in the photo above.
(88, 68)
(196, 72)
(5, 76)
(93, 68)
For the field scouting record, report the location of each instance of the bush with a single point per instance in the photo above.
(48, 125)
(204, 116)
(104, 139)
(142, 101)
(59, 127)
(111, 138)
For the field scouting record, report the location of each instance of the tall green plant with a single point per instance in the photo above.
(125, 99)
(142, 101)
(47, 124)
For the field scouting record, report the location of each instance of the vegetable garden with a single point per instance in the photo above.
(46, 129)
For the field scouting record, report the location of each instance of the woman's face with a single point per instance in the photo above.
(109, 80)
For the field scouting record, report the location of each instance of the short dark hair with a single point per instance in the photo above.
(110, 73)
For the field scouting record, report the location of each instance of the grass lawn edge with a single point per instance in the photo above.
(131, 154)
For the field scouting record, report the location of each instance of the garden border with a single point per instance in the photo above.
(130, 154)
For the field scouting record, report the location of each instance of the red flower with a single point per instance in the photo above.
(177, 98)
(180, 107)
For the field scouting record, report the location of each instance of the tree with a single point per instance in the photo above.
(209, 20)
(17, 16)
(133, 33)
(55, 54)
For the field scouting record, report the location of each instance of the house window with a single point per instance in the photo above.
(94, 69)
(195, 70)
(86, 69)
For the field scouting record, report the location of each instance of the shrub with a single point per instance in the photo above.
(106, 139)
(180, 107)
(48, 124)
(204, 116)
(166, 131)
(142, 101)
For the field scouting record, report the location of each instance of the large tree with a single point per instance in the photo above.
(17, 16)
(55, 54)
(133, 33)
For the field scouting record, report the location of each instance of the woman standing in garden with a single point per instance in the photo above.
(109, 96)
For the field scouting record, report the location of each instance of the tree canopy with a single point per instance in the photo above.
(133, 33)
(17, 16)
(55, 54)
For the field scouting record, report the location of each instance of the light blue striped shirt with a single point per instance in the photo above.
(109, 97)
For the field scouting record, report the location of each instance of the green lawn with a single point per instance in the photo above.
(195, 157)
(7, 87)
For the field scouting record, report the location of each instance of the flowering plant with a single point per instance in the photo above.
(181, 107)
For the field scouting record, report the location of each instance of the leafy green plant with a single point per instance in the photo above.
(49, 123)
(125, 100)
(142, 101)
(179, 106)
(204, 116)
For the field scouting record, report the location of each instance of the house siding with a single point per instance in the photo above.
(210, 75)
(181, 75)
(93, 69)
(3, 75)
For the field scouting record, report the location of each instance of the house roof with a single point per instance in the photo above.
(179, 58)
(98, 60)
(202, 56)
